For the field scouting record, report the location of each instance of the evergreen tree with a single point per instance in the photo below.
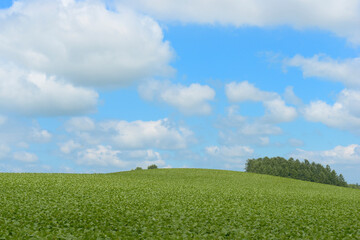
(291, 168)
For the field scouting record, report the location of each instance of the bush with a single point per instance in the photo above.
(153, 166)
(355, 186)
(138, 168)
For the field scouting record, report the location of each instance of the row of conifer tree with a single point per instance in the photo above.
(278, 166)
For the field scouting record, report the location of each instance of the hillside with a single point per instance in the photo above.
(174, 203)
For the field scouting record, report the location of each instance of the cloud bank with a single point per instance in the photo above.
(338, 155)
(339, 17)
(34, 93)
(83, 42)
(346, 71)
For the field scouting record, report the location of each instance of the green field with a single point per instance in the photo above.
(174, 204)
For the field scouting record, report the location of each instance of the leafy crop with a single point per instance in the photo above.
(174, 204)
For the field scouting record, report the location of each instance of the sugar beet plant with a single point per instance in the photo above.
(174, 204)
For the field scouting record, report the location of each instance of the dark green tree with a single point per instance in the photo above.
(152, 166)
(278, 166)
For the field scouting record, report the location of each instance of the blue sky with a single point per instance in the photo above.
(94, 86)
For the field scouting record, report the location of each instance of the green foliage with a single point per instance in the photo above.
(355, 186)
(291, 168)
(174, 204)
(138, 168)
(152, 166)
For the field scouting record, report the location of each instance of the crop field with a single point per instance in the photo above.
(174, 204)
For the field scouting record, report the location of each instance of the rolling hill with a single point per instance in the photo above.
(174, 204)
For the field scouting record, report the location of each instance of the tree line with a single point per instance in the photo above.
(278, 166)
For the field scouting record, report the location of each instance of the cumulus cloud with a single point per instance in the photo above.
(258, 128)
(100, 156)
(231, 157)
(139, 134)
(34, 93)
(69, 146)
(245, 91)
(17, 133)
(290, 97)
(249, 133)
(295, 142)
(4, 150)
(339, 155)
(343, 114)
(339, 17)
(346, 71)
(25, 157)
(105, 156)
(236, 129)
(40, 135)
(122, 144)
(161, 134)
(276, 110)
(76, 124)
(189, 100)
(237, 151)
(83, 42)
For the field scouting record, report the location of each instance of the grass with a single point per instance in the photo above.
(174, 204)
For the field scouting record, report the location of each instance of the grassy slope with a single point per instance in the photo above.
(175, 203)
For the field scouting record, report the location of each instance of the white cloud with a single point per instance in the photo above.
(248, 133)
(22, 145)
(122, 135)
(25, 157)
(230, 151)
(290, 97)
(245, 91)
(339, 17)
(76, 124)
(276, 110)
(100, 156)
(144, 158)
(3, 119)
(189, 100)
(34, 93)
(4, 150)
(83, 42)
(237, 129)
(230, 157)
(296, 142)
(40, 135)
(20, 133)
(160, 134)
(105, 156)
(258, 128)
(345, 71)
(158, 163)
(343, 114)
(69, 146)
(338, 155)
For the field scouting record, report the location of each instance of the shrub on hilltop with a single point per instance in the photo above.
(152, 166)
